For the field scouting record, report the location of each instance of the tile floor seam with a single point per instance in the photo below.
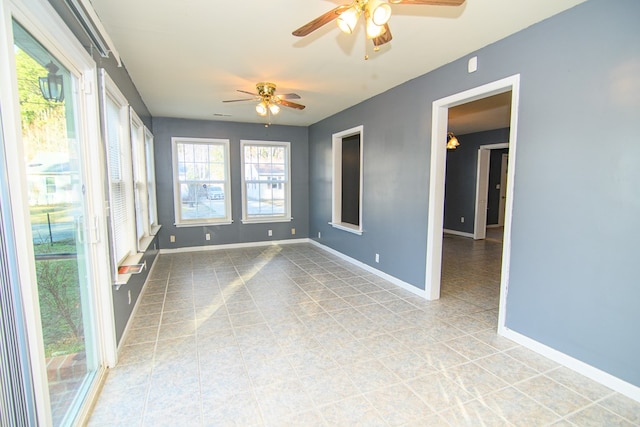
(242, 356)
(148, 386)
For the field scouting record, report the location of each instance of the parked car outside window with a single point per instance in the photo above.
(215, 193)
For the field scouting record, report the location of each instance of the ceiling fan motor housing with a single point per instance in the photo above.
(266, 89)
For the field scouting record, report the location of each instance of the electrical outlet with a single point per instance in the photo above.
(377, 257)
(207, 236)
(270, 233)
(461, 219)
(172, 238)
(293, 231)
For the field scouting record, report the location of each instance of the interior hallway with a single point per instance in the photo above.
(294, 336)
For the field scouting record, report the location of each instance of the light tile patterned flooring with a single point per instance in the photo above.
(294, 336)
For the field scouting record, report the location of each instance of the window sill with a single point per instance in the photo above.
(144, 243)
(347, 227)
(266, 220)
(123, 279)
(202, 224)
(155, 229)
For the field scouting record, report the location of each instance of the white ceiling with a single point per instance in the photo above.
(187, 56)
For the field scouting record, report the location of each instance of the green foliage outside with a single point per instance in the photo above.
(44, 130)
(59, 295)
(44, 126)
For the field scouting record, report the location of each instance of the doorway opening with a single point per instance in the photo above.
(440, 113)
(491, 185)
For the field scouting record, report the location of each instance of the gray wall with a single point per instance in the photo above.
(573, 281)
(395, 174)
(121, 305)
(165, 128)
(461, 177)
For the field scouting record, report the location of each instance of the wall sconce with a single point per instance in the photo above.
(51, 86)
(452, 141)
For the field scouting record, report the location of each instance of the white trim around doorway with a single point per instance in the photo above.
(482, 182)
(435, 223)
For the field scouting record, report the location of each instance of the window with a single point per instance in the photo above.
(201, 181)
(116, 132)
(151, 181)
(144, 182)
(141, 199)
(347, 180)
(266, 189)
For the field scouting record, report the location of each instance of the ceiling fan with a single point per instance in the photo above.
(376, 16)
(268, 101)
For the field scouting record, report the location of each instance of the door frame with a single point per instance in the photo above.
(504, 167)
(482, 188)
(439, 121)
(42, 21)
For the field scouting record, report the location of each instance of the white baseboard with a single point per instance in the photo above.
(234, 246)
(458, 233)
(604, 378)
(404, 285)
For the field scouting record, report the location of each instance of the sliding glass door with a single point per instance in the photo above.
(55, 180)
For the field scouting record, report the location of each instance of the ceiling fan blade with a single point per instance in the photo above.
(289, 96)
(320, 21)
(384, 37)
(237, 100)
(429, 2)
(247, 92)
(291, 104)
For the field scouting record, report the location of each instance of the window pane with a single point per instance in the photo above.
(151, 178)
(201, 201)
(265, 163)
(265, 199)
(121, 222)
(351, 179)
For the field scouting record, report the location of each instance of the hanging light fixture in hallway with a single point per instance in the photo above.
(452, 141)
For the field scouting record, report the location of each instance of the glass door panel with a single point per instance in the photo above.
(56, 192)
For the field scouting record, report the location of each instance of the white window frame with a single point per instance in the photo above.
(336, 194)
(181, 222)
(246, 218)
(123, 227)
(149, 152)
(141, 195)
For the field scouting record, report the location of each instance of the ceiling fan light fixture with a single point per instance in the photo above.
(379, 11)
(348, 19)
(373, 30)
(261, 108)
(274, 108)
